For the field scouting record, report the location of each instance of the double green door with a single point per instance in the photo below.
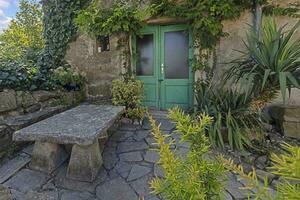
(162, 62)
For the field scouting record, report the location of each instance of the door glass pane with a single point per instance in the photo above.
(145, 55)
(176, 55)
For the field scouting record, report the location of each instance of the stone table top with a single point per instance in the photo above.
(82, 125)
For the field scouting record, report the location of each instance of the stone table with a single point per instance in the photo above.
(81, 127)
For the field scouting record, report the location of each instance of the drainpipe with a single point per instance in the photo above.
(257, 18)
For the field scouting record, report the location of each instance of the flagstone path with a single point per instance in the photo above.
(129, 163)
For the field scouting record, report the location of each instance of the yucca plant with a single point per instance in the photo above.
(271, 61)
(233, 117)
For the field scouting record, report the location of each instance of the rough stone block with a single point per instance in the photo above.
(25, 99)
(291, 129)
(42, 95)
(46, 157)
(85, 162)
(5, 193)
(287, 119)
(8, 100)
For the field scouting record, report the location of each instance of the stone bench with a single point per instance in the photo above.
(82, 127)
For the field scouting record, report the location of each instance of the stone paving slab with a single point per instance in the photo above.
(130, 161)
(82, 125)
(27, 180)
(11, 167)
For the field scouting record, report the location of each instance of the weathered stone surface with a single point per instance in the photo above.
(47, 157)
(158, 171)
(11, 167)
(131, 156)
(141, 186)
(123, 169)
(43, 95)
(28, 149)
(131, 146)
(110, 159)
(85, 162)
(22, 121)
(138, 171)
(63, 182)
(5, 137)
(291, 129)
(25, 99)
(5, 193)
(116, 189)
(8, 100)
(27, 180)
(141, 134)
(72, 195)
(82, 125)
(33, 108)
(233, 187)
(151, 156)
(39, 196)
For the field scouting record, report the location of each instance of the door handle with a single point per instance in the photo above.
(162, 68)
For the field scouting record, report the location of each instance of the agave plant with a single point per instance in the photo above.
(271, 61)
(232, 113)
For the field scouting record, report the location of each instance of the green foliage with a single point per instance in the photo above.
(24, 33)
(59, 30)
(129, 93)
(271, 60)
(286, 165)
(231, 110)
(205, 17)
(121, 17)
(69, 78)
(275, 10)
(193, 177)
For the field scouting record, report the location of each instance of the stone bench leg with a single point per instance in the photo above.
(47, 157)
(85, 162)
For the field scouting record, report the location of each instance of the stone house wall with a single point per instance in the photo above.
(102, 68)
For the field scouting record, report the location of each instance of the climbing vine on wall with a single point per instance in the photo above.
(59, 30)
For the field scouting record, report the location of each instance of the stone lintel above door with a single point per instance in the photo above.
(165, 21)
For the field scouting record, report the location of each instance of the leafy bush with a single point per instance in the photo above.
(271, 61)
(24, 33)
(232, 114)
(99, 20)
(129, 93)
(193, 177)
(286, 165)
(69, 78)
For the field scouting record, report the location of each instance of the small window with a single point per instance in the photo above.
(103, 44)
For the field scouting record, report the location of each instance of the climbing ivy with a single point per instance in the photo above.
(275, 10)
(59, 30)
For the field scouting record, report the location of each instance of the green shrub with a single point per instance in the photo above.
(129, 93)
(232, 114)
(193, 177)
(69, 79)
(270, 62)
(24, 33)
(286, 165)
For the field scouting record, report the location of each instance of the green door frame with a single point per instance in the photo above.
(156, 84)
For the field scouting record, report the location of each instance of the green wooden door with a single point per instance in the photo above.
(162, 62)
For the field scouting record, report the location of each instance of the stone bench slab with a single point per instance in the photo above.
(82, 125)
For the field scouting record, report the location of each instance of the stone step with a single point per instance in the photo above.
(19, 122)
(11, 167)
